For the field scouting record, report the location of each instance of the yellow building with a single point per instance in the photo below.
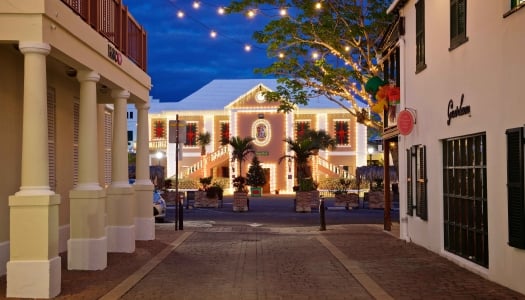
(227, 108)
(69, 68)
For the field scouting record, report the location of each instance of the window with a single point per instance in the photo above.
(465, 198)
(417, 180)
(225, 133)
(458, 23)
(420, 35)
(515, 187)
(516, 3)
(159, 129)
(130, 115)
(191, 134)
(301, 128)
(341, 132)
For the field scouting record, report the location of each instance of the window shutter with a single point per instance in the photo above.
(515, 188)
(51, 137)
(410, 207)
(421, 184)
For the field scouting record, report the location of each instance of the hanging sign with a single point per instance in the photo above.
(173, 131)
(405, 122)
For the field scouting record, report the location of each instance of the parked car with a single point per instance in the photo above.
(159, 207)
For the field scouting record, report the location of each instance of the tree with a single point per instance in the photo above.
(203, 139)
(306, 146)
(255, 176)
(241, 148)
(327, 48)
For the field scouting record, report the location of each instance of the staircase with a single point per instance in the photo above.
(323, 166)
(207, 162)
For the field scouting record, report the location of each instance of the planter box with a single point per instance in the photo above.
(256, 191)
(305, 200)
(350, 200)
(202, 201)
(240, 201)
(377, 199)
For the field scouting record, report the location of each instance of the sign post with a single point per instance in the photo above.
(176, 128)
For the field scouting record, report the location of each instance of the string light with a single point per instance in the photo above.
(247, 48)
(283, 12)
(180, 14)
(315, 55)
(318, 5)
(220, 10)
(281, 55)
(251, 14)
(196, 4)
(213, 34)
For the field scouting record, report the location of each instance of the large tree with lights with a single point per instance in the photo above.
(323, 48)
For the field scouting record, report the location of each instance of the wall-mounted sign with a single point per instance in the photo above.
(114, 55)
(261, 132)
(458, 111)
(262, 153)
(405, 122)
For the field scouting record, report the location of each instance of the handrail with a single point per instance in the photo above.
(112, 20)
(333, 168)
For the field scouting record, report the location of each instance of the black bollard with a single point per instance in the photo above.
(321, 214)
(180, 211)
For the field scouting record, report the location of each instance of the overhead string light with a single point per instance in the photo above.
(221, 10)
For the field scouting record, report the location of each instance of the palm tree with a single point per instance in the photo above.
(203, 139)
(241, 148)
(306, 146)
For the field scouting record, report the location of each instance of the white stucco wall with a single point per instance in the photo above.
(488, 71)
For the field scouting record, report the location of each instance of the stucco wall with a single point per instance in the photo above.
(488, 71)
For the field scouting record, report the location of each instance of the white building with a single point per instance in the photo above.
(462, 165)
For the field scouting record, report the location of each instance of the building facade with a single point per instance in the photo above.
(69, 69)
(461, 147)
(226, 108)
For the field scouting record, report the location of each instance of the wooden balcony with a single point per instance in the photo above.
(111, 19)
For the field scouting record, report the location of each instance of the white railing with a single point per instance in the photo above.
(210, 157)
(333, 168)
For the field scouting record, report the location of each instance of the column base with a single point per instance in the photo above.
(144, 229)
(87, 254)
(33, 278)
(121, 239)
(4, 256)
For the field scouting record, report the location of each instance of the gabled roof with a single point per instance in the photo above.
(219, 93)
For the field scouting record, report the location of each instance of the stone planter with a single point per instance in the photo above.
(240, 201)
(350, 200)
(304, 201)
(202, 201)
(376, 199)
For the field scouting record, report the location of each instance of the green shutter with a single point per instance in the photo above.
(515, 188)
(410, 208)
(421, 183)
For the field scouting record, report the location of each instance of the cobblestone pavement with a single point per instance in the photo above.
(277, 255)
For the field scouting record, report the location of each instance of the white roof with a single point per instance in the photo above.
(217, 94)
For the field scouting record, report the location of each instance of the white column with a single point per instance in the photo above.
(144, 220)
(120, 201)
(119, 158)
(88, 141)
(34, 267)
(87, 246)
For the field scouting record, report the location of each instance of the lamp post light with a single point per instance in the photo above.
(159, 156)
(370, 152)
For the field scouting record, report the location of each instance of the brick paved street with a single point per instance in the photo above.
(272, 252)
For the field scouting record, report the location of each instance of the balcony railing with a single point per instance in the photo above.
(112, 20)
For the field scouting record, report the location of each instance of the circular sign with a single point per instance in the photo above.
(261, 132)
(259, 97)
(405, 122)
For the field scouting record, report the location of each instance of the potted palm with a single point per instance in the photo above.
(342, 195)
(207, 195)
(255, 177)
(303, 148)
(242, 147)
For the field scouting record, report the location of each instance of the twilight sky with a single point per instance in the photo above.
(182, 57)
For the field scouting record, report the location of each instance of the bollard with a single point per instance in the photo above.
(180, 211)
(321, 214)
